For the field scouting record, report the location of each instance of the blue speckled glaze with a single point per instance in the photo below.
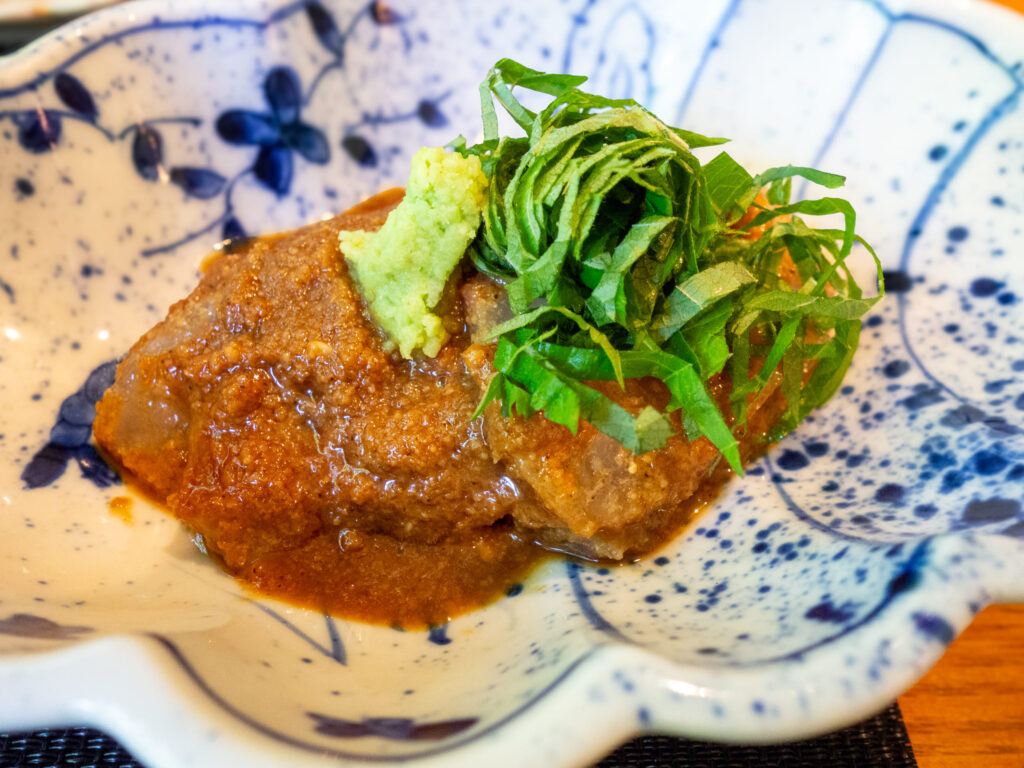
(809, 594)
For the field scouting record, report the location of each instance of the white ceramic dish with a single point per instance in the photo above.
(808, 596)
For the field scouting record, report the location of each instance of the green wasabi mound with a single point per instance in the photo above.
(401, 269)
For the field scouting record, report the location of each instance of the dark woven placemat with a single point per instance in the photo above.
(63, 748)
(877, 743)
(880, 742)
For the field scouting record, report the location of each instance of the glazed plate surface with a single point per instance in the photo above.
(808, 596)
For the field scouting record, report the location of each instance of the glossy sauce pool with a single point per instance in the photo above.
(377, 579)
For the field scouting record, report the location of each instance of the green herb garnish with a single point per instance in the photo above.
(624, 257)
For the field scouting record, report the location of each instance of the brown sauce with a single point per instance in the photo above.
(121, 508)
(320, 470)
(378, 579)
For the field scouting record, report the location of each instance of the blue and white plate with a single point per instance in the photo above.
(807, 596)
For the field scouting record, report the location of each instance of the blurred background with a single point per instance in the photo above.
(23, 20)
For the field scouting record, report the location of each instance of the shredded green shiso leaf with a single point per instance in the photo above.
(624, 257)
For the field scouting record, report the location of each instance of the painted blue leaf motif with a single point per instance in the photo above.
(360, 150)
(307, 141)
(826, 612)
(69, 437)
(239, 126)
(95, 469)
(198, 182)
(279, 133)
(37, 627)
(46, 466)
(38, 131)
(392, 728)
(383, 14)
(147, 152)
(274, 167)
(325, 29)
(78, 409)
(431, 115)
(233, 230)
(439, 635)
(100, 380)
(284, 94)
(74, 95)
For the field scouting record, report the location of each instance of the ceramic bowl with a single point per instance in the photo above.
(808, 596)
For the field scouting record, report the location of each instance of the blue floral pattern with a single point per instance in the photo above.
(38, 131)
(278, 133)
(392, 728)
(70, 437)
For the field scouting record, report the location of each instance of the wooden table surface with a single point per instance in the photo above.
(969, 709)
